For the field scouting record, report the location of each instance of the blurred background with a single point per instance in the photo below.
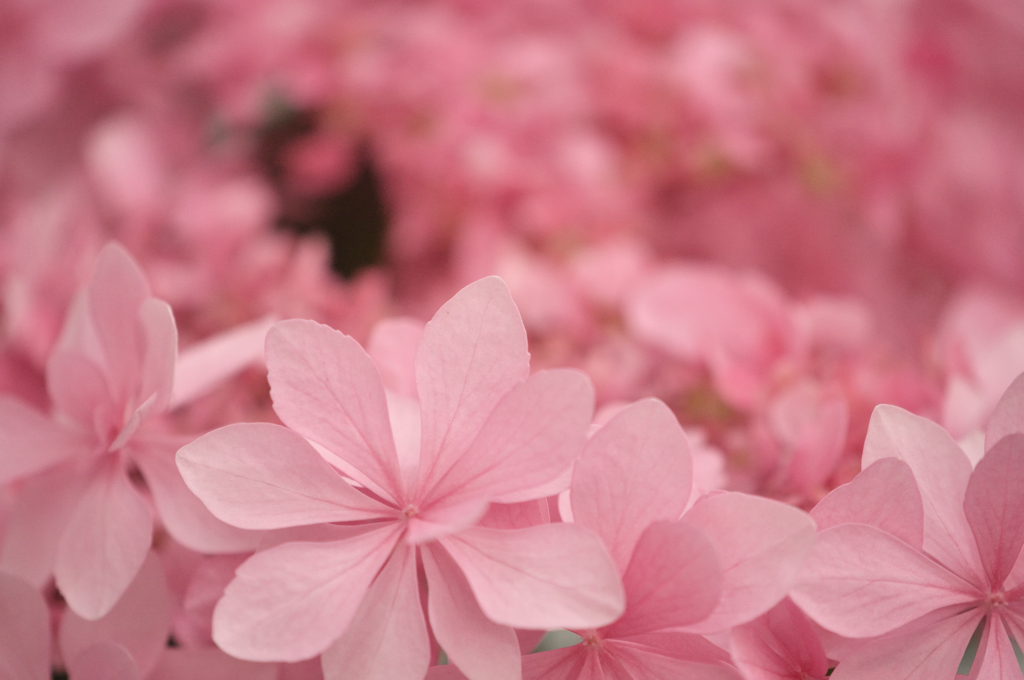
(773, 214)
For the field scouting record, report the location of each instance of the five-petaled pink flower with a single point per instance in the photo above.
(921, 550)
(408, 479)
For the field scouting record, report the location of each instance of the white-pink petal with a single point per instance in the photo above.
(326, 388)
(160, 352)
(634, 471)
(264, 476)
(24, 631)
(387, 638)
(290, 602)
(473, 351)
(543, 577)
(482, 649)
(105, 543)
(761, 545)
(532, 436)
(941, 469)
(855, 568)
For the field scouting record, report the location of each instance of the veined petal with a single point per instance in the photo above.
(922, 653)
(326, 388)
(780, 645)
(264, 476)
(634, 471)
(1008, 416)
(105, 543)
(884, 495)
(855, 568)
(673, 580)
(533, 434)
(206, 364)
(994, 507)
(941, 470)
(392, 346)
(761, 545)
(30, 442)
(24, 631)
(543, 577)
(387, 638)
(160, 352)
(640, 661)
(181, 512)
(472, 353)
(139, 622)
(996, 659)
(482, 649)
(292, 601)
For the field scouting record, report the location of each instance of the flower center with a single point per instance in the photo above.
(592, 639)
(410, 511)
(996, 600)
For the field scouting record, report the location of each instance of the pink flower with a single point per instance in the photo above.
(780, 645)
(921, 550)
(425, 460)
(80, 514)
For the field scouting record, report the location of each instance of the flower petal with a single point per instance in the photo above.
(160, 353)
(105, 661)
(761, 546)
(543, 577)
(994, 507)
(326, 388)
(292, 601)
(533, 434)
(482, 649)
(996, 659)
(473, 351)
(941, 470)
(855, 568)
(181, 512)
(24, 631)
(78, 390)
(673, 580)
(264, 476)
(209, 664)
(139, 622)
(885, 495)
(780, 645)
(633, 471)
(392, 346)
(30, 442)
(204, 365)
(922, 653)
(633, 660)
(1008, 416)
(105, 543)
(387, 638)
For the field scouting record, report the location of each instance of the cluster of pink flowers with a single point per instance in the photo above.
(725, 311)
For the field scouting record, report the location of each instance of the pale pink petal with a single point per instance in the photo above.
(327, 389)
(160, 336)
(116, 291)
(941, 470)
(204, 365)
(443, 520)
(543, 577)
(517, 515)
(78, 390)
(105, 661)
(994, 507)
(1008, 416)
(139, 622)
(30, 442)
(473, 351)
(387, 638)
(673, 580)
(181, 512)
(761, 546)
(781, 645)
(568, 663)
(392, 346)
(884, 495)
(480, 648)
(104, 544)
(24, 631)
(38, 520)
(996, 659)
(264, 476)
(532, 436)
(633, 660)
(209, 664)
(922, 653)
(682, 646)
(132, 426)
(855, 568)
(292, 601)
(634, 471)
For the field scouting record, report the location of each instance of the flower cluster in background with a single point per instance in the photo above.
(726, 232)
